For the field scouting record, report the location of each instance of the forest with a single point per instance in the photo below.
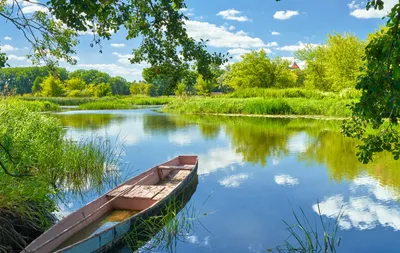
(331, 67)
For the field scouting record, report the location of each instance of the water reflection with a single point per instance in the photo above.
(256, 167)
(370, 204)
(89, 121)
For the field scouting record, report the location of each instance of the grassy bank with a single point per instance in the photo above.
(38, 164)
(260, 106)
(133, 100)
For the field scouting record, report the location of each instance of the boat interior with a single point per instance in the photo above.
(119, 204)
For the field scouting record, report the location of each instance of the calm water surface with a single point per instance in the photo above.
(253, 172)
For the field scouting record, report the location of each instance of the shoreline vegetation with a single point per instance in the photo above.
(293, 102)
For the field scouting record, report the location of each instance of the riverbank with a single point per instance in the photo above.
(262, 106)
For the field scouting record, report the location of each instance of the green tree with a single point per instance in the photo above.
(53, 31)
(119, 85)
(283, 77)
(255, 70)
(334, 66)
(51, 87)
(75, 84)
(102, 90)
(379, 105)
(91, 76)
(203, 87)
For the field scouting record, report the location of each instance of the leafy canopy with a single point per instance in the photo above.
(159, 25)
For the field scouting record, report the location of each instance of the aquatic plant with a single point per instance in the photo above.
(306, 238)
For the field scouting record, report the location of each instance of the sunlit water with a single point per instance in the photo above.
(254, 172)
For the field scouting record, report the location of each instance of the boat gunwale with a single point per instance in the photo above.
(153, 206)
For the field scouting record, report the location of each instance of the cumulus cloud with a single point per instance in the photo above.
(232, 14)
(14, 57)
(7, 38)
(275, 33)
(220, 36)
(286, 180)
(300, 45)
(364, 212)
(282, 15)
(231, 28)
(359, 10)
(133, 72)
(233, 181)
(117, 45)
(216, 159)
(7, 47)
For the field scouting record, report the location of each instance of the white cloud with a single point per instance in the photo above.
(117, 45)
(233, 181)
(275, 33)
(7, 47)
(232, 14)
(361, 12)
(231, 28)
(272, 44)
(282, 15)
(7, 38)
(180, 139)
(125, 59)
(217, 159)
(364, 212)
(14, 57)
(286, 180)
(33, 6)
(383, 193)
(219, 36)
(299, 46)
(134, 72)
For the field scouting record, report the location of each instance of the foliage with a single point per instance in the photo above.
(380, 86)
(146, 89)
(334, 66)
(102, 90)
(52, 31)
(38, 162)
(67, 101)
(91, 76)
(257, 70)
(203, 87)
(75, 84)
(51, 87)
(23, 78)
(119, 85)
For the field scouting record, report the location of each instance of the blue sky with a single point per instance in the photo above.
(231, 26)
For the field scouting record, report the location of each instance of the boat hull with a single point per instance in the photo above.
(114, 236)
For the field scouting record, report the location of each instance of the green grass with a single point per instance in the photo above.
(35, 106)
(292, 93)
(260, 106)
(107, 105)
(136, 100)
(68, 101)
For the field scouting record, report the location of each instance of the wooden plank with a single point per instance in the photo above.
(119, 190)
(164, 193)
(144, 191)
(185, 167)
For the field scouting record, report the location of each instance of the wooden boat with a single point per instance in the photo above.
(104, 222)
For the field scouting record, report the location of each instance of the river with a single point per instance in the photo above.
(254, 173)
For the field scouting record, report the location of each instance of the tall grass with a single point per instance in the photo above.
(107, 105)
(38, 164)
(260, 106)
(68, 101)
(143, 100)
(293, 93)
(304, 237)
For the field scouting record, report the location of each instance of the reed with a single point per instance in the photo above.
(260, 106)
(107, 105)
(304, 237)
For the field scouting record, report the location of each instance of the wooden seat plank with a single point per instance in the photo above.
(144, 191)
